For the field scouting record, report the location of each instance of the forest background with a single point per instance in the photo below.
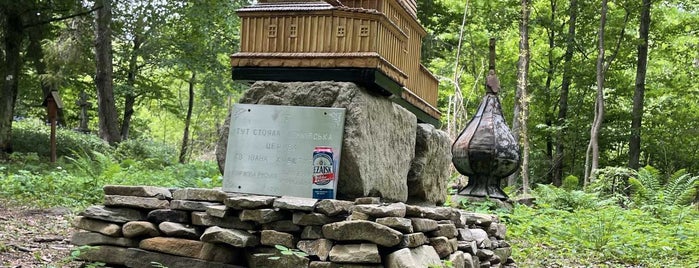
(588, 104)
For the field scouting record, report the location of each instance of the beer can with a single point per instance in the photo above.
(323, 173)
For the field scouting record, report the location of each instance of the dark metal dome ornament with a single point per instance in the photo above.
(486, 151)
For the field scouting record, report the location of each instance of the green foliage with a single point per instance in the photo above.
(288, 251)
(151, 154)
(32, 136)
(570, 183)
(574, 228)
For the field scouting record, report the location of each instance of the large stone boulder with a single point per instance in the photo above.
(379, 137)
(429, 171)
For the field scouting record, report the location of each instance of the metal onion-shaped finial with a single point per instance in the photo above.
(486, 151)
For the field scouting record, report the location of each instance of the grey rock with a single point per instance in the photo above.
(281, 226)
(442, 246)
(484, 254)
(478, 218)
(142, 191)
(303, 218)
(139, 229)
(355, 253)
(110, 214)
(96, 239)
(429, 170)
(263, 215)
(401, 224)
(200, 194)
(312, 232)
(468, 261)
(233, 237)
(469, 247)
(319, 247)
(434, 213)
(425, 256)
(103, 227)
(413, 240)
(191, 205)
(447, 230)
(135, 202)
(138, 258)
(503, 253)
(107, 254)
(362, 231)
(203, 219)
(498, 230)
(276, 260)
(424, 225)
(220, 211)
(401, 258)
(374, 128)
(320, 264)
(332, 207)
(457, 259)
(295, 203)
(175, 229)
(367, 200)
(172, 245)
(380, 211)
(249, 202)
(356, 215)
(272, 238)
(169, 215)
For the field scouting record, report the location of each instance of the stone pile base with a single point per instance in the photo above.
(143, 226)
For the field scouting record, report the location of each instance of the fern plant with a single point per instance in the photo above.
(648, 188)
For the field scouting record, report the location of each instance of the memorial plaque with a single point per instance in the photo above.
(270, 147)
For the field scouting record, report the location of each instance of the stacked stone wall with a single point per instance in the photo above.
(139, 226)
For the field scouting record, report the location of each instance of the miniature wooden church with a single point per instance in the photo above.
(374, 43)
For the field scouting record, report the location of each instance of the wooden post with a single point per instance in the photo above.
(53, 115)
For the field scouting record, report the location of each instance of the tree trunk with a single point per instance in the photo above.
(522, 82)
(106, 108)
(130, 97)
(549, 117)
(188, 120)
(592, 156)
(563, 100)
(638, 95)
(13, 35)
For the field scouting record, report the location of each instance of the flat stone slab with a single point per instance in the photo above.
(424, 256)
(102, 227)
(135, 202)
(249, 202)
(111, 214)
(380, 210)
(312, 232)
(355, 253)
(304, 219)
(318, 247)
(203, 219)
(332, 207)
(424, 225)
(413, 240)
(107, 254)
(447, 230)
(138, 258)
(434, 213)
(233, 237)
(263, 215)
(191, 205)
(139, 229)
(200, 194)
(295, 203)
(174, 246)
(175, 229)
(281, 226)
(169, 215)
(400, 224)
(142, 191)
(96, 239)
(272, 238)
(363, 231)
(220, 211)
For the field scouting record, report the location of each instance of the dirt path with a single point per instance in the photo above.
(34, 237)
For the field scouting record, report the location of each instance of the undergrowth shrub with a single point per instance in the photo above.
(150, 154)
(32, 136)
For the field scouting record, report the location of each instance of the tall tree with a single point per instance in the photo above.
(640, 88)
(106, 107)
(563, 98)
(188, 119)
(523, 96)
(13, 35)
(592, 155)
